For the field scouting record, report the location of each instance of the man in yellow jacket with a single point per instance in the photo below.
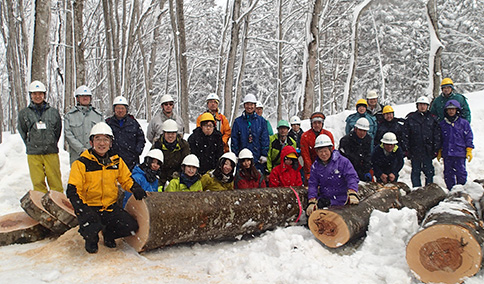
(93, 191)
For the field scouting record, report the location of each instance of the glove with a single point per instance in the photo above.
(439, 155)
(311, 206)
(368, 177)
(138, 192)
(352, 197)
(324, 203)
(262, 160)
(469, 154)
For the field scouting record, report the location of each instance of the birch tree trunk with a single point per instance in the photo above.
(41, 44)
(221, 51)
(240, 75)
(435, 68)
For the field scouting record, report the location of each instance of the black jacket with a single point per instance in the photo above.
(386, 164)
(422, 137)
(395, 126)
(296, 136)
(358, 151)
(208, 149)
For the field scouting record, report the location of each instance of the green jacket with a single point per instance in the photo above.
(40, 129)
(438, 104)
(210, 182)
(172, 158)
(275, 147)
(175, 185)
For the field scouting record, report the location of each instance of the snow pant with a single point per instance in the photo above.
(454, 171)
(422, 164)
(114, 224)
(45, 166)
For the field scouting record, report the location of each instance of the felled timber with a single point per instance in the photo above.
(449, 246)
(31, 202)
(20, 228)
(366, 189)
(167, 218)
(57, 204)
(423, 199)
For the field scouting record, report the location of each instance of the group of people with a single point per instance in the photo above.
(217, 156)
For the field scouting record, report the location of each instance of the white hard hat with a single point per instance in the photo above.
(423, 100)
(82, 91)
(169, 126)
(229, 155)
(166, 99)
(120, 100)
(250, 98)
(323, 140)
(37, 86)
(363, 124)
(101, 128)
(389, 138)
(191, 160)
(212, 96)
(259, 104)
(295, 120)
(371, 95)
(245, 154)
(156, 154)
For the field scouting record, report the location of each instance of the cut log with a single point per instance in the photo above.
(449, 246)
(20, 228)
(31, 202)
(423, 199)
(167, 218)
(366, 189)
(57, 204)
(336, 226)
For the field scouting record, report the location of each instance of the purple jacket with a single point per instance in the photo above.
(333, 180)
(456, 137)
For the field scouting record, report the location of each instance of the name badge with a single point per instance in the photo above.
(41, 125)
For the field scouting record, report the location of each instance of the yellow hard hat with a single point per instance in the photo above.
(207, 117)
(361, 102)
(446, 82)
(387, 109)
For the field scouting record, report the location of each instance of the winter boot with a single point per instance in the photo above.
(91, 247)
(110, 243)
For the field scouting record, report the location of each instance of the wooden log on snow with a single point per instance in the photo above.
(366, 189)
(449, 246)
(423, 199)
(57, 204)
(31, 202)
(336, 226)
(20, 228)
(167, 218)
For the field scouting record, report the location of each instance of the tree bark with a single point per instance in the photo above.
(180, 24)
(176, 217)
(240, 75)
(20, 228)
(57, 204)
(78, 8)
(435, 55)
(449, 246)
(69, 62)
(109, 50)
(41, 45)
(279, 59)
(423, 199)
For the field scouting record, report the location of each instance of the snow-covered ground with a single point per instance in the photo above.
(285, 255)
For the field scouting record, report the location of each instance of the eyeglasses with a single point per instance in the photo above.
(102, 140)
(168, 104)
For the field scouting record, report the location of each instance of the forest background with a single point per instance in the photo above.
(296, 56)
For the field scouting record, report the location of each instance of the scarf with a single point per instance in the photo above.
(218, 174)
(188, 181)
(150, 174)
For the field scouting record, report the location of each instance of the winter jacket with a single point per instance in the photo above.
(154, 131)
(222, 125)
(307, 147)
(40, 128)
(97, 184)
(129, 139)
(296, 137)
(175, 186)
(211, 183)
(275, 147)
(254, 128)
(208, 149)
(387, 163)
(77, 126)
(377, 112)
(172, 158)
(243, 181)
(358, 151)
(284, 175)
(269, 127)
(395, 126)
(422, 136)
(438, 105)
(139, 176)
(456, 137)
(351, 121)
(332, 181)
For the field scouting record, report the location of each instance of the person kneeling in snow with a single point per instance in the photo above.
(387, 159)
(248, 176)
(189, 178)
(457, 144)
(333, 180)
(93, 191)
(222, 178)
(288, 173)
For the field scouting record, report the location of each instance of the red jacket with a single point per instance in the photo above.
(241, 181)
(307, 148)
(284, 175)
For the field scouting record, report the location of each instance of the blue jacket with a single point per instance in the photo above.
(129, 139)
(139, 176)
(422, 135)
(387, 164)
(254, 126)
(456, 137)
(332, 180)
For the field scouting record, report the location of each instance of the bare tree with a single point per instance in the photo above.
(435, 54)
(180, 24)
(108, 29)
(78, 8)
(279, 59)
(41, 45)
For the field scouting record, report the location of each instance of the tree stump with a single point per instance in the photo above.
(57, 204)
(167, 218)
(449, 246)
(32, 205)
(19, 228)
(423, 199)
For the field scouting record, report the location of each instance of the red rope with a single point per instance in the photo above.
(299, 203)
